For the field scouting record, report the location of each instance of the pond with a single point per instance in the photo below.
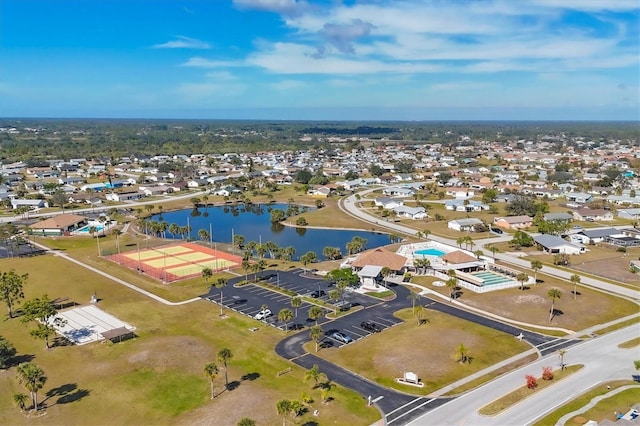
(253, 222)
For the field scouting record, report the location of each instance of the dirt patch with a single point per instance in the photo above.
(253, 401)
(615, 268)
(193, 353)
(529, 298)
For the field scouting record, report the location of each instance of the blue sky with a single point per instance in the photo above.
(321, 59)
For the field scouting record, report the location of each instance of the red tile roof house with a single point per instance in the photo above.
(513, 222)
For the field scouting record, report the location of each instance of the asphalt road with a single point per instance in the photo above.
(397, 408)
(602, 360)
(349, 206)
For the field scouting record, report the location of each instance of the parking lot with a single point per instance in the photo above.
(250, 299)
(306, 284)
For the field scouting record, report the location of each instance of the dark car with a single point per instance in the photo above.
(370, 326)
(317, 293)
(497, 231)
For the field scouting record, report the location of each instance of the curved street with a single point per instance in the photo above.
(349, 206)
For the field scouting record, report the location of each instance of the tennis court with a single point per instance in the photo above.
(176, 261)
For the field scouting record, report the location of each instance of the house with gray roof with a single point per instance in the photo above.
(467, 224)
(632, 214)
(558, 217)
(415, 213)
(555, 245)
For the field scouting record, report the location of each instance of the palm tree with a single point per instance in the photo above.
(32, 378)
(284, 408)
(225, 355)
(522, 278)
(315, 312)
(334, 295)
(493, 250)
(314, 374)
(220, 284)
(116, 233)
(174, 229)
(296, 302)
(316, 334)
(419, 311)
(206, 274)
(211, 371)
(553, 294)
(561, 354)
(285, 315)
(385, 272)
(462, 354)
(20, 400)
(246, 265)
(451, 283)
(413, 296)
(460, 241)
(536, 265)
(478, 253)
(238, 241)
(203, 234)
(575, 279)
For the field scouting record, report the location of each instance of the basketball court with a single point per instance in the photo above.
(176, 261)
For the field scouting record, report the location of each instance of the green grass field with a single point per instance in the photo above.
(431, 355)
(156, 378)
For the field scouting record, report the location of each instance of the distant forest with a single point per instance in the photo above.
(95, 138)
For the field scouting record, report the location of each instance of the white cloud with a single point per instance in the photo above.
(590, 5)
(285, 7)
(183, 42)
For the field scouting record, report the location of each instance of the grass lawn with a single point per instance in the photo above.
(602, 261)
(157, 376)
(603, 410)
(492, 375)
(501, 404)
(532, 305)
(630, 343)
(428, 350)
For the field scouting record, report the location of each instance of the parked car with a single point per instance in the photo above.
(497, 231)
(317, 293)
(263, 314)
(342, 337)
(370, 326)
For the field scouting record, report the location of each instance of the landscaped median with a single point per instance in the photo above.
(533, 385)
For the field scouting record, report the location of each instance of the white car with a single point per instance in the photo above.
(263, 314)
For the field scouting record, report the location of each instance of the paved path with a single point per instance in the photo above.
(115, 279)
(593, 403)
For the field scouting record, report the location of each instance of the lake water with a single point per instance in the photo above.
(254, 223)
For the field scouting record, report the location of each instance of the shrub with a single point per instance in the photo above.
(306, 398)
(547, 373)
(622, 250)
(532, 382)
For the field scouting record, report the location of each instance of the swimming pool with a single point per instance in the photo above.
(489, 278)
(429, 252)
(85, 229)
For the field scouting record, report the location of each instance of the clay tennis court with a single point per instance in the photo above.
(176, 261)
